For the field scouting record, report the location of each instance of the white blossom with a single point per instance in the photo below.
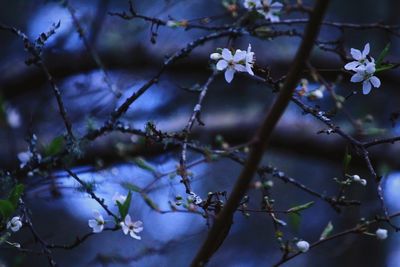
(303, 246)
(24, 158)
(14, 224)
(241, 61)
(366, 76)
(133, 228)
(252, 4)
(97, 224)
(361, 59)
(249, 60)
(231, 63)
(118, 197)
(381, 234)
(271, 10)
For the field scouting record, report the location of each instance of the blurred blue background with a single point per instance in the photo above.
(60, 210)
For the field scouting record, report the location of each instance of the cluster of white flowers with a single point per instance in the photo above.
(356, 178)
(381, 234)
(241, 61)
(14, 224)
(364, 68)
(133, 228)
(269, 9)
(303, 246)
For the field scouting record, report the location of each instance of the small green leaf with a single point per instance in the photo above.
(294, 221)
(327, 231)
(124, 207)
(384, 67)
(15, 195)
(4, 237)
(263, 32)
(375, 131)
(55, 146)
(150, 202)
(6, 209)
(346, 161)
(194, 88)
(131, 187)
(301, 207)
(382, 55)
(142, 163)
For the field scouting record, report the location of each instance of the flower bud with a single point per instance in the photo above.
(215, 56)
(303, 246)
(381, 234)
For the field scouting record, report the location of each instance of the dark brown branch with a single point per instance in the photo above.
(221, 226)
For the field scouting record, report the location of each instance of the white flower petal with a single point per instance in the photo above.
(239, 55)
(240, 68)
(370, 68)
(352, 65)
(133, 235)
(222, 64)
(249, 70)
(375, 81)
(356, 54)
(365, 52)
(128, 220)
(92, 223)
(125, 228)
(358, 77)
(226, 54)
(98, 228)
(229, 73)
(366, 87)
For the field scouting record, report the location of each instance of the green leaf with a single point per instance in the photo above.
(131, 187)
(375, 131)
(124, 207)
(55, 146)
(384, 67)
(382, 55)
(294, 221)
(299, 208)
(263, 32)
(142, 163)
(327, 231)
(150, 202)
(194, 88)
(4, 237)
(346, 161)
(6, 209)
(15, 195)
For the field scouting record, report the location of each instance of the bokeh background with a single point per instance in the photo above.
(60, 210)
